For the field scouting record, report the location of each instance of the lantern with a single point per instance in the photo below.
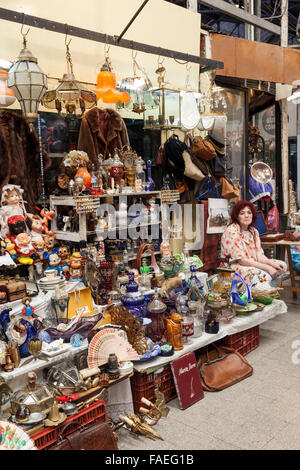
(168, 114)
(69, 95)
(106, 86)
(139, 87)
(28, 82)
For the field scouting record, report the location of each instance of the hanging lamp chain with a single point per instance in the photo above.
(69, 58)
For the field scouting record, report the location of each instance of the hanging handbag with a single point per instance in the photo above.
(222, 367)
(229, 191)
(98, 436)
(159, 158)
(201, 148)
(218, 166)
(208, 188)
(191, 170)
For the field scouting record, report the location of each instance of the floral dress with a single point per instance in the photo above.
(237, 245)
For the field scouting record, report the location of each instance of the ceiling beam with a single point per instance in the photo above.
(242, 15)
(55, 26)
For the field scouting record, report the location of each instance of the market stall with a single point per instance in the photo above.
(110, 263)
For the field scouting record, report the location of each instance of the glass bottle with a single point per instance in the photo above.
(194, 282)
(94, 188)
(140, 178)
(156, 311)
(196, 311)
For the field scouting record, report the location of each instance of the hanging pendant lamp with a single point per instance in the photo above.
(139, 88)
(69, 96)
(27, 81)
(106, 85)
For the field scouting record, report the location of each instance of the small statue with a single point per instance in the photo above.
(49, 242)
(160, 402)
(67, 223)
(39, 246)
(165, 248)
(101, 224)
(64, 255)
(28, 309)
(53, 261)
(24, 248)
(174, 331)
(31, 381)
(47, 217)
(36, 223)
(75, 267)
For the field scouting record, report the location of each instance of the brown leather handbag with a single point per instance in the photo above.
(222, 367)
(201, 148)
(229, 191)
(98, 436)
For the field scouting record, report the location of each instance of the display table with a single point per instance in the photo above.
(238, 324)
(285, 248)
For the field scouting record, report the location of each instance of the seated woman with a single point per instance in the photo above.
(241, 242)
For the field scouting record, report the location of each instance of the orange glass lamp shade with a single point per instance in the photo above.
(83, 173)
(7, 96)
(106, 88)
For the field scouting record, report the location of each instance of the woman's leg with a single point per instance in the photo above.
(274, 282)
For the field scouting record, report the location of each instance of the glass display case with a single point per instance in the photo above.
(168, 114)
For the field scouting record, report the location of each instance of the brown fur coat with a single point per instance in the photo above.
(91, 139)
(19, 156)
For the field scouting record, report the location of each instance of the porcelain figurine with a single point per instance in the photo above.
(49, 242)
(39, 246)
(37, 227)
(16, 224)
(28, 309)
(53, 261)
(75, 269)
(165, 248)
(12, 204)
(47, 217)
(64, 255)
(9, 247)
(24, 248)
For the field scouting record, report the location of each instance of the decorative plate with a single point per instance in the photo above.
(13, 437)
(250, 307)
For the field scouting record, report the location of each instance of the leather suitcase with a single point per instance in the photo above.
(15, 289)
(98, 436)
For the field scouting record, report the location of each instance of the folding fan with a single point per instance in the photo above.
(106, 342)
(13, 437)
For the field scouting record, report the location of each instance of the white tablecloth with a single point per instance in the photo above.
(238, 324)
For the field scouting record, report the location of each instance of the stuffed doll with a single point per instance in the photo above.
(12, 204)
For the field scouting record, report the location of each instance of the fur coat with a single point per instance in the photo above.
(20, 156)
(97, 136)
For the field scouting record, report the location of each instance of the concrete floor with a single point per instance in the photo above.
(261, 412)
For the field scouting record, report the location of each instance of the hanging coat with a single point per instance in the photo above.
(20, 156)
(102, 131)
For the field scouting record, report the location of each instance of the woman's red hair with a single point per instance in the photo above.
(240, 205)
